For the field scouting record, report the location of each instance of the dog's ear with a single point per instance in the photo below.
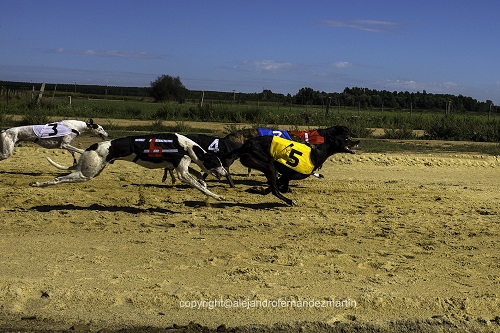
(342, 130)
(336, 132)
(211, 161)
(199, 152)
(91, 124)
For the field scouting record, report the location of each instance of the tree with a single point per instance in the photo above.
(167, 88)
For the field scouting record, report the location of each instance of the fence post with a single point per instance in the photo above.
(40, 94)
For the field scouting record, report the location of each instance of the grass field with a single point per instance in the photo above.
(396, 124)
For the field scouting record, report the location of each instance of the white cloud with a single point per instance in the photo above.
(109, 53)
(271, 65)
(261, 66)
(71, 75)
(411, 85)
(342, 64)
(364, 25)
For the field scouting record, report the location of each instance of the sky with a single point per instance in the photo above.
(442, 47)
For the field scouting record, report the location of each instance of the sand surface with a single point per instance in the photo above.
(387, 242)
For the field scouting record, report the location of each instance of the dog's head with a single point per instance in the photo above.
(214, 165)
(339, 137)
(96, 129)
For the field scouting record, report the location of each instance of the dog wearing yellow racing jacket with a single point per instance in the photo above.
(295, 155)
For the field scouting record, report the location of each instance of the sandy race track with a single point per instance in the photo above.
(385, 242)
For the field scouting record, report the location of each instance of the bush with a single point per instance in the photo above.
(36, 115)
(446, 128)
(168, 112)
(399, 134)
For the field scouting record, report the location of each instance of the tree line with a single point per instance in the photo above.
(168, 88)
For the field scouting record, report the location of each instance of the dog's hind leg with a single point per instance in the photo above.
(166, 172)
(90, 165)
(74, 177)
(72, 150)
(7, 144)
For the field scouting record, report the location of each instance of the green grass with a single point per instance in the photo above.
(381, 146)
(398, 124)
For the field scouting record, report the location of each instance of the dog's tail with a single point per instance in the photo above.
(62, 167)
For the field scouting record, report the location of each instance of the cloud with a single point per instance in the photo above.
(261, 66)
(271, 65)
(364, 25)
(342, 64)
(71, 75)
(411, 85)
(109, 53)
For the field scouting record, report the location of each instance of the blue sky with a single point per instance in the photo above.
(247, 46)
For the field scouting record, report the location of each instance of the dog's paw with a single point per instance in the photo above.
(34, 184)
(216, 197)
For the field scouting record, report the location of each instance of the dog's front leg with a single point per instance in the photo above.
(270, 174)
(229, 178)
(185, 176)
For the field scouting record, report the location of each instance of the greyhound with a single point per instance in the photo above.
(309, 137)
(219, 146)
(293, 160)
(52, 135)
(150, 151)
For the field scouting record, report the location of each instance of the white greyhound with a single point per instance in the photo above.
(52, 135)
(151, 151)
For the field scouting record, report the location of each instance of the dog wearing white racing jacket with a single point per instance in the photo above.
(52, 135)
(150, 151)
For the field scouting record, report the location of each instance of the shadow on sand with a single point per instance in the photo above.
(101, 208)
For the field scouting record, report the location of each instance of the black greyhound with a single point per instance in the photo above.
(218, 146)
(310, 137)
(261, 153)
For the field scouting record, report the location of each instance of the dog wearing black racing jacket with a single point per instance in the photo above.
(218, 146)
(150, 151)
